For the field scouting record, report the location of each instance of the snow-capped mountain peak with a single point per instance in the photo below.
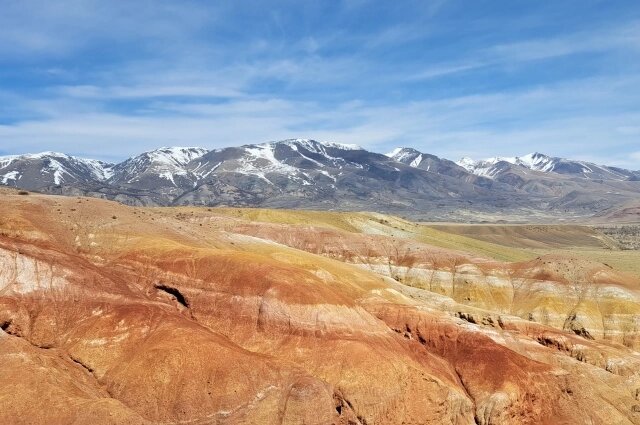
(489, 167)
(51, 168)
(536, 161)
(466, 162)
(175, 156)
(317, 146)
(401, 151)
(167, 164)
(9, 159)
(407, 156)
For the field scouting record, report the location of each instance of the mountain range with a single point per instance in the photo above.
(303, 173)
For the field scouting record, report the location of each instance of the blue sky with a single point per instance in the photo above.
(453, 78)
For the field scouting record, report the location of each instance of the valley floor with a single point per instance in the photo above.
(615, 245)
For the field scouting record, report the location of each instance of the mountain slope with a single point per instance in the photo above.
(160, 168)
(37, 171)
(310, 174)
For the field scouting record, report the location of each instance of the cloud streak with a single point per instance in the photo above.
(558, 123)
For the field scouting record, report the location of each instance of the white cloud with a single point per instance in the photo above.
(567, 119)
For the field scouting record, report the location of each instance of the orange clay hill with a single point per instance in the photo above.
(119, 315)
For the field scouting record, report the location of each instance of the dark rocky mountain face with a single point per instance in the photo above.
(303, 173)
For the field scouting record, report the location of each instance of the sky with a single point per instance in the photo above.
(477, 78)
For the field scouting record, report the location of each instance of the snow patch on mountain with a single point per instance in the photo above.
(417, 161)
(58, 170)
(175, 156)
(394, 152)
(320, 148)
(343, 146)
(466, 163)
(101, 170)
(11, 175)
(261, 160)
(316, 146)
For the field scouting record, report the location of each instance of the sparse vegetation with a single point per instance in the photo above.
(626, 235)
(580, 286)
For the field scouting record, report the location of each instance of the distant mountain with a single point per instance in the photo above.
(427, 162)
(37, 171)
(539, 162)
(164, 171)
(305, 173)
(302, 173)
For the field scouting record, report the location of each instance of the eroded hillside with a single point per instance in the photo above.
(114, 314)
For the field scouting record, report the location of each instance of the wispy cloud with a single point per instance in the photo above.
(441, 70)
(145, 92)
(604, 39)
(557, 122)
(624, 39)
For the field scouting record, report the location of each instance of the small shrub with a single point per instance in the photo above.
(23, 192)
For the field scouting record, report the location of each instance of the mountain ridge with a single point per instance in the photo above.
(531, 160)
(308, 174)
(540, 162)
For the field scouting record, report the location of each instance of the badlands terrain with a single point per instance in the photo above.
(114, 314)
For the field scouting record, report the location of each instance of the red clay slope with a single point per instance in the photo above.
(118, 315)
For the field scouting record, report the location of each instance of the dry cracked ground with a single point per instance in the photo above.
(120, 315)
